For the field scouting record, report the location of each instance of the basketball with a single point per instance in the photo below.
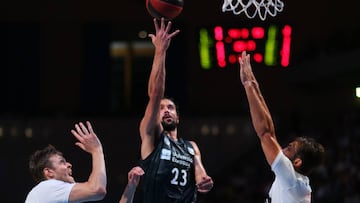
(169, 9)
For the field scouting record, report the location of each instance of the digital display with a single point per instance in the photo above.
(220, 46)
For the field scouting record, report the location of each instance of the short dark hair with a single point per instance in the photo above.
(39, 160)
(311, 153)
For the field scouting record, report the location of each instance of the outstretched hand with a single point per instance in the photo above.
(163, 36)
(246, 73)
(134, 175)
(133, 181)
(87, 139)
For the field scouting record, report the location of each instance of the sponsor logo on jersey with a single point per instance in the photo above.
(165, 154)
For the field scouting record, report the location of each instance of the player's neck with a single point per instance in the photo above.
(172, 134)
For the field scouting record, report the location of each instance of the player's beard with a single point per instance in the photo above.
(169, 126)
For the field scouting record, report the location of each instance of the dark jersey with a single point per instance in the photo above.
(169, 172)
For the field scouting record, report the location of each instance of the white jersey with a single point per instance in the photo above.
(289, 186)
(50, 191)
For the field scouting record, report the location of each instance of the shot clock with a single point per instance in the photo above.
(220, 46)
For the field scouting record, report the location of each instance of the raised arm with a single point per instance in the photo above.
(133, 181)
(94, 188)
(150, 125)
(259, 111)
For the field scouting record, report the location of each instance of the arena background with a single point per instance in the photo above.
(58, 67)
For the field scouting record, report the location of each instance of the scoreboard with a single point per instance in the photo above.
(220, 46)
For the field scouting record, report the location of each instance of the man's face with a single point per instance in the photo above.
(291, 150)
(168, 115)
(60, 169)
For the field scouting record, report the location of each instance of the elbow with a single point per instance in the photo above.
(265, 136)
(266, 127)
(266, 131)
(100, 192)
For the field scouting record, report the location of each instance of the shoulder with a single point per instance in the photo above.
(280, 158)
(192, 143)
(51, 189)
(281, 163)
(194, 146)
(56, 185)
(50, 183)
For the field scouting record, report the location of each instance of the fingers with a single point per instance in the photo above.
(246, 72)
(205, 181)
(78, 130)
(205, 185)
(82, 132)
(243, 58)
(135, 174)
(168, 26)
(76, 135)
(81, 129)
(84, 129)
(136, 171)
(87, 139)
(174, 33)
(162, 24)
(156, 24)
(151, 36)
(163, 27)
(79, 135)
(90, 127)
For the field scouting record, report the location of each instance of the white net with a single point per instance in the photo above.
(252, 8)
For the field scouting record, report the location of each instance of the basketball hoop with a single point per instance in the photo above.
(251, 8)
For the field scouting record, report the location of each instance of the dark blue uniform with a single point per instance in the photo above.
(169, 172)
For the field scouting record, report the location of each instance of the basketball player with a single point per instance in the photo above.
(53, 174)
(291, 164)
(173, 168)
(133, 181)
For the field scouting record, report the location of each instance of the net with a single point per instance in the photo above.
(252, 8)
